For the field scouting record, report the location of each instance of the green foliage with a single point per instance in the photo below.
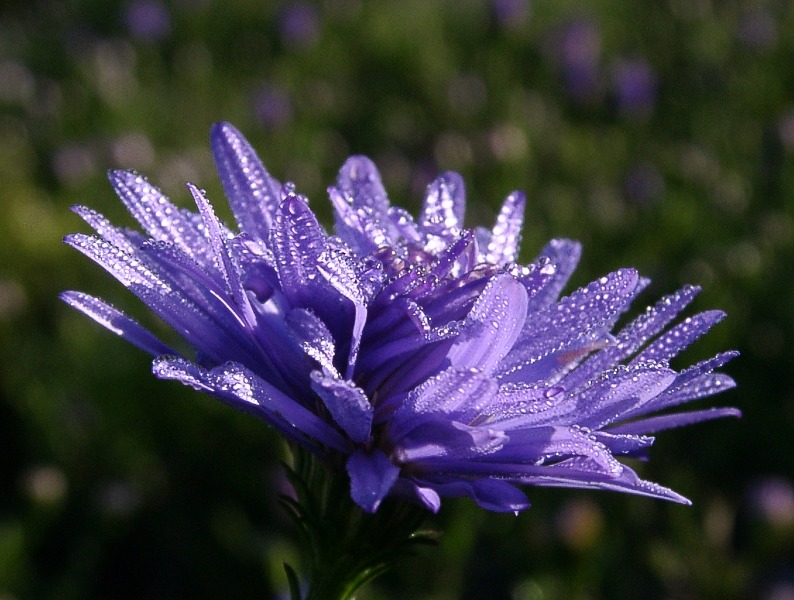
(345, 547)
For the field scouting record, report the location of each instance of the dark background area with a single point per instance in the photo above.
(660, 134)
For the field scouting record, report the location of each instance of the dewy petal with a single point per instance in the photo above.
(253, 194)
(360, 181)
(298, 244)
(493, 325)
(564, 255)
(123, 266)
(506, 235)
(372, 476)
(362, 207)
(443, 439)
(444, 206)
(577, 473)
(117, 322)
(128, 241)
(159, 216)
(679, 337)
(223, 261)
(583, 318)
(662, 423)
(243, 390)
(337, 269)
(347, 403)
(455, 393)
(635, 334)
(312, 336)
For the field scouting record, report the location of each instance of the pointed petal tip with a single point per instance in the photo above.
(116, 176)
(358, 160)
(73, 239)
(68, 296)
(517, 197)
(223, 132)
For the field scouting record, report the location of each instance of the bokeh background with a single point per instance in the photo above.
(660, 134)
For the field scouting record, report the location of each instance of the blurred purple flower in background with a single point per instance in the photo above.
(415, 355)
(511, 13)
(148, 20)
(272, 106)
(578, 51)
(300, 25)
(758, 30)
(643, 184)
(635, 87)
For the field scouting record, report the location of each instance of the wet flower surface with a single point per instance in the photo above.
(416, 355)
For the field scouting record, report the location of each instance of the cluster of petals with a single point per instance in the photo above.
(413, 355)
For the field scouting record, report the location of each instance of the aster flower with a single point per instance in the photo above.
(413, 358)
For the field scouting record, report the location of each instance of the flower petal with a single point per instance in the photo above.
(656, 424)
(161, 219)
(240, 388)
(115, 320)
(506, 236)
(490, 494)
(372, 476)
(347, 403)
(493, 325)
(564, 255)
(679, 337)
(253, 194)
(444, 206)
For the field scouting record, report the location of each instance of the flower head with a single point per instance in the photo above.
(414, 354)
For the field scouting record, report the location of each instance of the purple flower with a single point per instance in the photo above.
(414, 354)
(635, 87)
(576, 48)
(148, 20)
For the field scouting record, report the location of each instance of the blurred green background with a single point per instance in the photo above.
(660, 134)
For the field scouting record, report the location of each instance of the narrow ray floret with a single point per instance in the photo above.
(414, 356)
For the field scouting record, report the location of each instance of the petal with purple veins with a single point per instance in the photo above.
(253, 194)
(670, 343)
(159, 216)
(492, 326)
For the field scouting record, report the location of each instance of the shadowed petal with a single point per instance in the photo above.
(490, 494)
(372, 476)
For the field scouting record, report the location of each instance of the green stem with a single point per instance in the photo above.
(346, 546)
